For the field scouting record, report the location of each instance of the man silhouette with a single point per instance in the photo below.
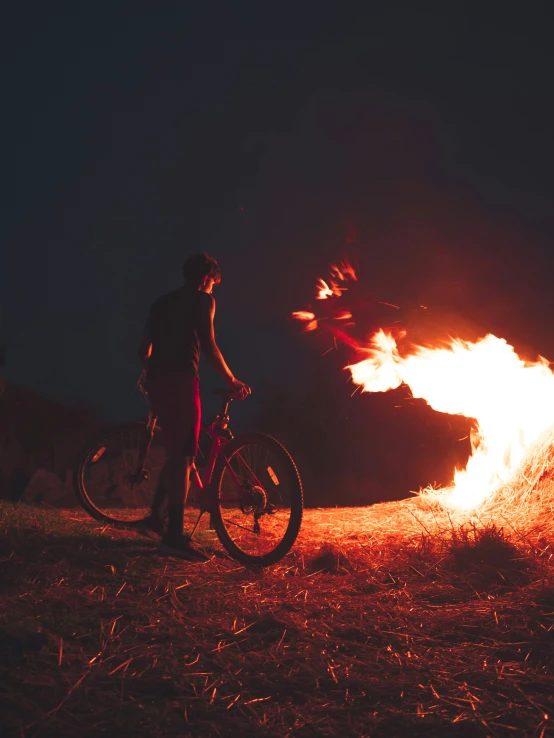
(180, 325)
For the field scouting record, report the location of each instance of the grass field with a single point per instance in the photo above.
(372, 626)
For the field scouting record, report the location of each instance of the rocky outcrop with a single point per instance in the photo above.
(47, 488)
(39, 436)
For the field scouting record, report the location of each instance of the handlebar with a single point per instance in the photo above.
(226, 394)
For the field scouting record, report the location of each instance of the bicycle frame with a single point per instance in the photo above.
(216, 451)
(219, 432)
(237, 481)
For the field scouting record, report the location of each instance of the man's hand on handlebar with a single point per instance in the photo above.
(239, 389)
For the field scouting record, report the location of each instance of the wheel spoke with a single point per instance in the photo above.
(238, 525)
(259, 488)
(112, 483)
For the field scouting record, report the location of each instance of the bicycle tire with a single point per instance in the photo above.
(221, 521)
(125, 517)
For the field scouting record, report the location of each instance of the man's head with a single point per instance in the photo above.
(201, 271)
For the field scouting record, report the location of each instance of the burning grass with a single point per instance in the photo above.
(528, 498)
(366, 628)
(523, 507)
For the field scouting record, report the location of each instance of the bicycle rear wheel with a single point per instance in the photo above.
(257, 499)
(111, 483)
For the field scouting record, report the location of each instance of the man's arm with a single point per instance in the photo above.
(145, 348)
(211, 350)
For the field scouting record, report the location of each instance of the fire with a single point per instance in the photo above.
(311, 323)
(323, 290)
(303, 315)
(339, 274)
(510, 400)
(343, 271)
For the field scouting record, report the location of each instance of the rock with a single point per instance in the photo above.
(47, 488)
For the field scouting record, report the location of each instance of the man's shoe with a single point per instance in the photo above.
(151, 528)
(180, 547)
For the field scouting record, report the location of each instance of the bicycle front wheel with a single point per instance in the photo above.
(117, 474)
(257, 499)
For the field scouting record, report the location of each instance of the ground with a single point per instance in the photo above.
(373, 625)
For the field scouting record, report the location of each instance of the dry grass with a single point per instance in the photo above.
(524, 505)
(377, 624)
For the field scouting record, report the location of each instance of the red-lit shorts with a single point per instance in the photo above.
(175, 399)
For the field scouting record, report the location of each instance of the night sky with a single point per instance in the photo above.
(415, 136)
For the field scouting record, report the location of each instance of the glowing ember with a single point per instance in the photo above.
(339, 274)
(343, 271)
(323, 290)
(511, 401)
(311, 323)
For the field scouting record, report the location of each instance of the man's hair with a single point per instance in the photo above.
(199, 266)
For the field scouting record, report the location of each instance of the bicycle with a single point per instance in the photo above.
(250, 486)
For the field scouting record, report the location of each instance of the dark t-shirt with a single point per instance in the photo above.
(177, 331)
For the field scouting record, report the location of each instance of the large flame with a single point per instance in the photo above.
(510, 400)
